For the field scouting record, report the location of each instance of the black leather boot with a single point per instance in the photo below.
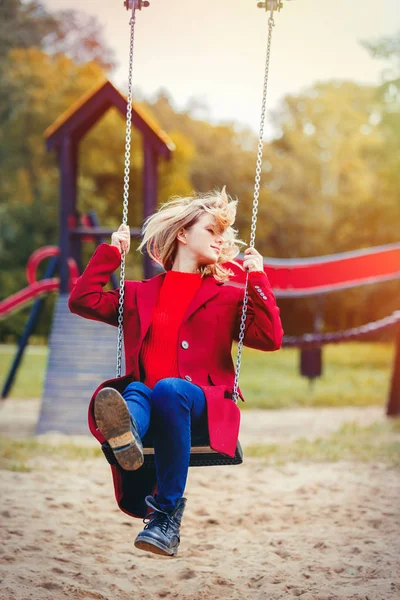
(118, 427)
(161, 532)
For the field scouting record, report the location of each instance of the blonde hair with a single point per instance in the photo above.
(160, 230)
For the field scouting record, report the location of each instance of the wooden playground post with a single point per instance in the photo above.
(150, 184)
(68, 188)
(393, 405)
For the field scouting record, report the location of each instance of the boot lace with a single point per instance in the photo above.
(159, 518)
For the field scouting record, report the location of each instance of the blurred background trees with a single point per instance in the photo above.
(330, 173)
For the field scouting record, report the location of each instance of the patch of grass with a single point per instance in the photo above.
(20, 455)
(18, 467)
(354, 374)
(379, 442)
(30, 376)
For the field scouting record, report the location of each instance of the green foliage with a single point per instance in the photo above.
(219, 155)
(29, 188)
(325, 159)
(27, 24)
(388, 94)
(44, 67)
(23, 25)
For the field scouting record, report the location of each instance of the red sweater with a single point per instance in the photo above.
(159, 354)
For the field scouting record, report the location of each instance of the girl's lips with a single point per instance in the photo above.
(216, 248)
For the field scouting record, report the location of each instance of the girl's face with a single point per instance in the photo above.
(203, 241)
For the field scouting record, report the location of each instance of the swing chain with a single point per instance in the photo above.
(271, 24)
(126, 196)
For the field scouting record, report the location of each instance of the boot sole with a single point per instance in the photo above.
(113, 420)
(150, 546)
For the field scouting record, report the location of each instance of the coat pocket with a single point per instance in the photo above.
(228, 383)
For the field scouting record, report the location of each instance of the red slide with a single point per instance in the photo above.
(304, 276)
(35, 289)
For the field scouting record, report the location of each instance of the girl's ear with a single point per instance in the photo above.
(181, 237)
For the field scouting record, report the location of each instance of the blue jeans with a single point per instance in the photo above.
(174, 410)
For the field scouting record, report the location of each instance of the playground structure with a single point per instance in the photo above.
(64, 137)
(81, 352)
(70, 374)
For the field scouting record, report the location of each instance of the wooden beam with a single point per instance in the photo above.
(76, 123)
(75, 245)
(150, 186)
(99, 232)
(68, 171)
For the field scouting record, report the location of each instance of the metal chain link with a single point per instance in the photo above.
(126, 197)
(320, 339)
(271, 24)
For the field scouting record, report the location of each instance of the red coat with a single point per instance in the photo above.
(209, 326)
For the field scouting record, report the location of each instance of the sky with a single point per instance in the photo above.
(215, 52)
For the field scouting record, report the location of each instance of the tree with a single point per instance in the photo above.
(40, 88)
(23, 25)
(329, 190)
(47, 60)
(388, 94)
(29, 24)
(222, 155)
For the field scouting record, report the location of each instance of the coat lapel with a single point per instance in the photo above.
(147, 296)
(208, 289)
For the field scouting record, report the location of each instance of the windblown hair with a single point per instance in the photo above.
(160, 230)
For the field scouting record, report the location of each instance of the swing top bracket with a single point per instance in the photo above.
(272, 5)
(136, 4)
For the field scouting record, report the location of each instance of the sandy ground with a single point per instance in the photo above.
(314, 531)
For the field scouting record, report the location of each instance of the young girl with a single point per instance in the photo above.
(178, 332)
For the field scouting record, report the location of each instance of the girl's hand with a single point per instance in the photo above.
(253, 261)
(121, 239)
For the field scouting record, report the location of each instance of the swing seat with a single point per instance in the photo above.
(201, 455)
